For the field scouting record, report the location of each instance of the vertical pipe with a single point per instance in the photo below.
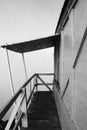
(12, 86)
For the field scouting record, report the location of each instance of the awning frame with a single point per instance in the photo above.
(33, 45)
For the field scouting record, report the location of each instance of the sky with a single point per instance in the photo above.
(23, 20)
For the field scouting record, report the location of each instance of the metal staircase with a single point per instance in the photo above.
(42, 112)
(32, 108)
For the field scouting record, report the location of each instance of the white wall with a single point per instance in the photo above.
(80, 24)
(75, 96)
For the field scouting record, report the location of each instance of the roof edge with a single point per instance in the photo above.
(66, 9)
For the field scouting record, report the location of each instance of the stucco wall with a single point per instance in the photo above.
(80, 107)
(76, 93)
(67, 57)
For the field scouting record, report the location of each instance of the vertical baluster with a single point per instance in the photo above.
(24, 110)
(30, 87)
(36, 83)
(27, 94)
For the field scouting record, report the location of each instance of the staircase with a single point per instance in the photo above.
(33, 109)
(42, 113)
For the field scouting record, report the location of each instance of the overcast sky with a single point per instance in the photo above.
(23, 20)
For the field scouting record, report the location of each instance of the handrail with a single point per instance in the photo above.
(44, 82)
(21, 99)
(31, 95)
(45, 74)
(13, 99)
(9, 104)
(14, 113)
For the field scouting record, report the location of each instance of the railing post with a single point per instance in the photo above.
(36, 80)
(30, 86)
(27, 88)
(24, 110)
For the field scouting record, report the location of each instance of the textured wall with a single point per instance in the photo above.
(75, 96)
(67, 57)
(80, 107)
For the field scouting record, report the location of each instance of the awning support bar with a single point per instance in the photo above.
(10, 72)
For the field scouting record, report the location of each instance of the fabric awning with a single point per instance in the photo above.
(33, 45)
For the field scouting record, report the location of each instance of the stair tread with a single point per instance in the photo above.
(42, 113)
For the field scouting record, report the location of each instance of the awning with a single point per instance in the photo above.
(33, 45)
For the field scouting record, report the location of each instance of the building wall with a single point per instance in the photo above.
(65, 121)
(80, 107)
(81, 89)
(74, 79)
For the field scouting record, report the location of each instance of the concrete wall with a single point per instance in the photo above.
(72, 106)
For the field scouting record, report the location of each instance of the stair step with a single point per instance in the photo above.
(42, 113)
(42, 128)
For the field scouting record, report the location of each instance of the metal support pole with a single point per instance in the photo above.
(12, 86)
(10, 72)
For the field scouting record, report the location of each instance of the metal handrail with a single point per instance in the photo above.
(13, 99)
(21, 102)
(44, 82)
(47, 74)
(31, 95)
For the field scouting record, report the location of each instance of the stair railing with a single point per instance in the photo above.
(22, 99)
